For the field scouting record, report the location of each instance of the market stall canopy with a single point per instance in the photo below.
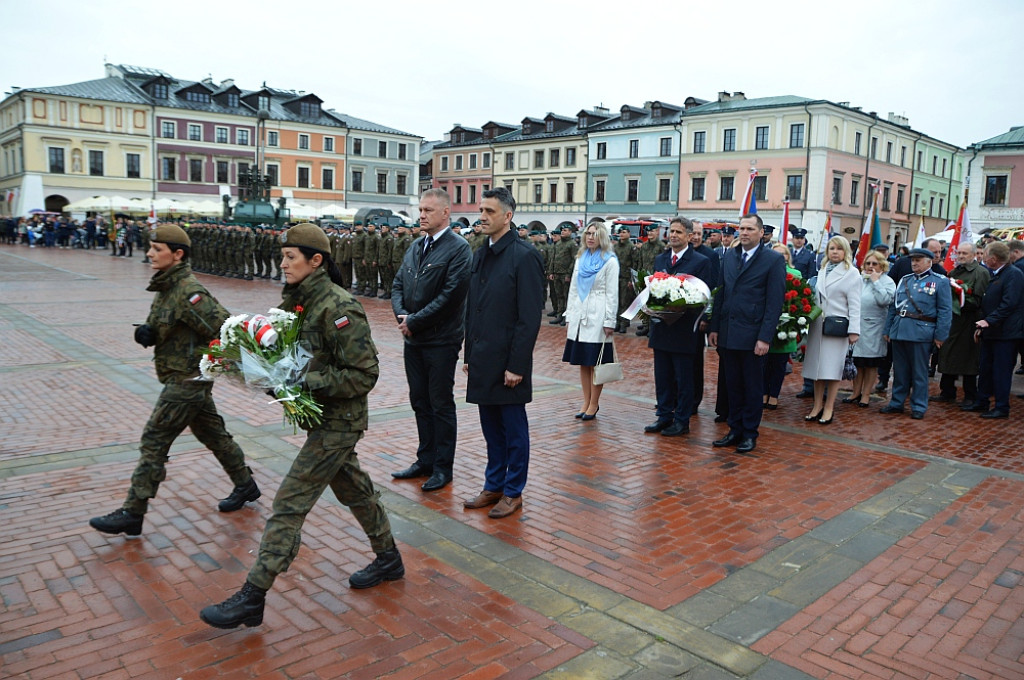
(303, 212)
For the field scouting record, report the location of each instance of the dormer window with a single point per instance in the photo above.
(625, 114)
(198, 97)
(582, 122)
(527, 129)
(263, 102)
(159, 91)
(656, 112)
(462, 137)
(549, 126)
(309, 109)
(487, 133)
(233, 100)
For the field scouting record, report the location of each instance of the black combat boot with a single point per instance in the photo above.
(240, 495)
(386, 567)
(119, 521)
(244, 607)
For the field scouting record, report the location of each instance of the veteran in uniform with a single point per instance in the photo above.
(183, 318)
(919, 317)
(345, 369)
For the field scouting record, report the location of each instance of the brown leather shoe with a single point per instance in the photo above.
(483, 499)
(505, 507)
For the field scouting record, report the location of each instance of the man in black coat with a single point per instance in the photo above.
(746, 313)
(676, 344)
(428, 298)
(505, 304)
(1000, 329)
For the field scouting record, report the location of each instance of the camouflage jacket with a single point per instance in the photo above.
(344, 367)
(398, 251)
(185, 317)
(563, 258)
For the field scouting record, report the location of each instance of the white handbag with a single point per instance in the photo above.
(606, 373)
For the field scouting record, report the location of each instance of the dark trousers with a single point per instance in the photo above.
(995, 372)
(947, 386)
(697, 373)
(775, 374)
(507, 433)
(673, 385)
(910, 374)
(431, 375)
(722, 400)
(886, 367)
(744, 380)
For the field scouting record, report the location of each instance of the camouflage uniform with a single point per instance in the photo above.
(645, 255)
(275, 249)
(184, 317)
(343, 258)
(385, 252)
(248, 252)
(358, 250)
(335, 328)
(627, 254)
(562, 260)
(371, 246)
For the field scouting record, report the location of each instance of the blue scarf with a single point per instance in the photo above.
(591, 262)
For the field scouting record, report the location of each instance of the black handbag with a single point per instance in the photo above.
(835, 326)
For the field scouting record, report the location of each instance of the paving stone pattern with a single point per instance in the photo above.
(877, 547)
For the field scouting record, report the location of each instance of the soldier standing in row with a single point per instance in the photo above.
(183, 318)
(358, 251)
(540, 242)
(653, 247)
(627, 254)
(385, 252)
(248, 252)
(562, 260)
(402, 243)
(370, 260)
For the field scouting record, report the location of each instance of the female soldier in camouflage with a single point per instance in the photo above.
(342, 372)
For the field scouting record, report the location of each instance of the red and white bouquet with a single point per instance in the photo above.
(669, 297)
(263, 351)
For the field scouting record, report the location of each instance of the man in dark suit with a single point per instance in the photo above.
(1000, 329)
(698, 246)
(675, 345)
(428, 298)
(746, 313)
(502, 320)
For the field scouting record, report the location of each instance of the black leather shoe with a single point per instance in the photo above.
(890, 409)
(746, 445)
(727, 440)
(244, 607)
(240, 495)
(975, 406)
(387, 566)
(805, 395)
(675, 429)
(995, 413)
(415, 470)
(657, 426)
(917, 415)
(721, 419)
(941, 398)
(642, 331)
(438, 480)
(119, 521)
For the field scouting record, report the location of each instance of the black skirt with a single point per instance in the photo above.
(868, 362)
(585, 353)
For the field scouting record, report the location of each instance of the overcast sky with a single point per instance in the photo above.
(422, 67)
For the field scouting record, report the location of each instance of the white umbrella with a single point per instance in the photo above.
(170, 205)
(119, 204)
(302, 212)
(90, 204)
(206, 208)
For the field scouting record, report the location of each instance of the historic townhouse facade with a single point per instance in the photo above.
(996, 196)
(820, 155)
(544, 165)
(384, 166)
(464, 166)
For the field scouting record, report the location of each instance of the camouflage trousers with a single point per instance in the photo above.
(561, 296)
(180, 405)
(346, 274)
(328, 458)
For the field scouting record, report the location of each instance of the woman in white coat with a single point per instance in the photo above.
(838, 290)
(590, 312)
(876, 295)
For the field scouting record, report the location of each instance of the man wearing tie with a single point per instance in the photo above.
(746, 312)
(429, 301)
(676, 344)
(802, 256)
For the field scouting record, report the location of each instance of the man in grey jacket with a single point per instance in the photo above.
(429, 301)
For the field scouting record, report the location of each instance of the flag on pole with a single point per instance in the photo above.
(961, 234)
(785, 221)
(152, 215)
(749, 205)
(920, 234)
(871, 232)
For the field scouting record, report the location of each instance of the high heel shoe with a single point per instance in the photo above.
(864, 404)
(580, 414)
(768, 405)
(814, 416)
(822, 421)
(851, 399)
(590, 416)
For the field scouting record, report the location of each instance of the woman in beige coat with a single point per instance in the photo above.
(838, 290)
(590, 312)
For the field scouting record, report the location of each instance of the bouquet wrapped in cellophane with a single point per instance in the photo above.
(669, 297)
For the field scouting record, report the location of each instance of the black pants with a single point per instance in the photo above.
(430, 371)
(744, 381)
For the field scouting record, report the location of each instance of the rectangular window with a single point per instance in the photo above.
(634, 148)
(538, 193)
(458, 162)
(302, 177)
(761, 188)
(472, 193)
(899, 199)
(402, 184)
(931, 207)
(942, 202)
(357, 180)
(920, 161)
(167, 169)
(133, 165)
(56, 160)
(697, 189)
(272, 139)
(665, 146)
(725, 188)
(935, 163)
(888, 152)
(243, 137)
(382, 183)
(729, 140)
(160, 91)
(698, 141)
(761, 137)
(273, 175)
(854, 191)
(837, 190)
(472, 161)
(458, 194)
(444, 163)
(664, 189)
(856, 146)
(796, 135)
(903, 156)
(510, 161)
(263, 102)
(917, 201)
(221, 135)
(167, 129)
(357, 147)
(222, 172)
(632, 190)
(874, 147)
(402, 152)
(794, 187)
(382, 149)
(329, 144)
(486, 161)
(233, 100)
(304, 142)
(538, 159)
(995, 189)
(943, 167)
(570, 157)
(602, 150)
(886, 197)
(96, 163)
(327, 178)
(195, 170)
(243, 169)
(553, 192)
(569, 192)
(195, 133)
(599, 191)
(554, 158)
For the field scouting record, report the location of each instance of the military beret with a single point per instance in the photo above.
(308, 235)
(169, 233)
(623, 229)
(922, 252)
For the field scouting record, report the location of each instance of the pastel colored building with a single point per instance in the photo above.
(996, 196)
(463, 166)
